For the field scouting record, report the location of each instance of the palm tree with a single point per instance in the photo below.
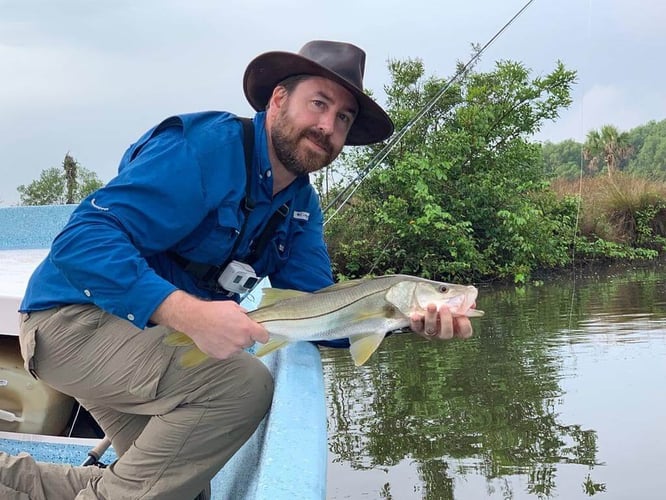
(70, 166)
(606, 147)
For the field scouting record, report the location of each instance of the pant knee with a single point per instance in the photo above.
(241, 386)
(258, 387)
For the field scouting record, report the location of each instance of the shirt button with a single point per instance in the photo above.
(87, 293)
(268, 173)
(130, 317)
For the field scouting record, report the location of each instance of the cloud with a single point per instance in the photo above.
(90, 77)
(602, 105)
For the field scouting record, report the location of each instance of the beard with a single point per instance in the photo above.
(296, 159)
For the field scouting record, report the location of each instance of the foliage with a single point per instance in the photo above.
(562, 159)
(462, 196)
(640, 151)
(622, 216)
(66, 185)
(649, 142)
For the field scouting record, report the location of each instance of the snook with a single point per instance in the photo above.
(363, 310)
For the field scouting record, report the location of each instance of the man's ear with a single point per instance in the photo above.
(278, 97)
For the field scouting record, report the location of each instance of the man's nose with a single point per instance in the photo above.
(327, 123)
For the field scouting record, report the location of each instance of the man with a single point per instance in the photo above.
(148, 254)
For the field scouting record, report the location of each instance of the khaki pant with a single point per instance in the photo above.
(173, 428)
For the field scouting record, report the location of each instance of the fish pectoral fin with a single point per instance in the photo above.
(272, 295)
(192, 357)
(363, 345)
(474, 313)
(270, 346)
(178, 339)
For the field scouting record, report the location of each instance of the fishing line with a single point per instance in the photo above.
(581, 170)
(393, 141)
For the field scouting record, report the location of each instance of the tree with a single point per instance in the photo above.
(463, 195)
(70, 167)
(47, 190)
(56, 186)
(650, 146)
(607, 148)
(562, 159)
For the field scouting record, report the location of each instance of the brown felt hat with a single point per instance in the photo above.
(343, 63)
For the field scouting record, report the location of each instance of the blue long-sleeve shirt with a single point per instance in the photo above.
(179, 189)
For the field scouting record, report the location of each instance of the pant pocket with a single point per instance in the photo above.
(27, 343)
(151, 362)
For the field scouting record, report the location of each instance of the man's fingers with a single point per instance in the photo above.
(261, 335)
(434, 324)
(462, 327)
(445, 327)
(431, 321)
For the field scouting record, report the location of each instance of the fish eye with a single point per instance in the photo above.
(443, 288)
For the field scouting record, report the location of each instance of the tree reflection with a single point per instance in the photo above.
(487, 405)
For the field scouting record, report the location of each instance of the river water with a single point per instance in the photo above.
(561, 393)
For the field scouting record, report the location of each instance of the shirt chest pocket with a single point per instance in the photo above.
(278, 250)
(213, 240)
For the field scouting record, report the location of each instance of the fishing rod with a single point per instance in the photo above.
(396, 138)
(96, 453)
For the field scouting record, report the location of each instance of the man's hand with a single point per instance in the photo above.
(440, 324)
(220, 329)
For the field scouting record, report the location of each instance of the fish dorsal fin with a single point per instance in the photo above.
(178, 339)
(363, 345)
(270, 346)
(342, 285)
(272, 295)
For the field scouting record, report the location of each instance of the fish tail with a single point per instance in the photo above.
(178, 339)
(192, 357)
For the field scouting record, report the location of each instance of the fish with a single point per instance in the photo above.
(363, 310)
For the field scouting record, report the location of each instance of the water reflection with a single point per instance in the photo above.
(497, 415)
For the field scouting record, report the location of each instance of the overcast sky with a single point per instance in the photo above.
(89, 77)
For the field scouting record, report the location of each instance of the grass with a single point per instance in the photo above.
(621, 208)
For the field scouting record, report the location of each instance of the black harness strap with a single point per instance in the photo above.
(207, 274)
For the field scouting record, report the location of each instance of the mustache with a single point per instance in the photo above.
(320, 139)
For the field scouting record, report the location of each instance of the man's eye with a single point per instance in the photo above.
(344, 118)
(318, 104)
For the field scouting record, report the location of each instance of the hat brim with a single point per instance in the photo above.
(262, 75)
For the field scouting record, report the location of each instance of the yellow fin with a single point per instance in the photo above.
(272, 295)
(270, 346)
(362, 346)
(192, 357)
(177, 339)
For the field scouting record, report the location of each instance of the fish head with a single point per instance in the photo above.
(414, 296)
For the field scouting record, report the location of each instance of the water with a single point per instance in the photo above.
(560, 394)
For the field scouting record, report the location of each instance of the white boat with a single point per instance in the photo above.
(286, 457)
